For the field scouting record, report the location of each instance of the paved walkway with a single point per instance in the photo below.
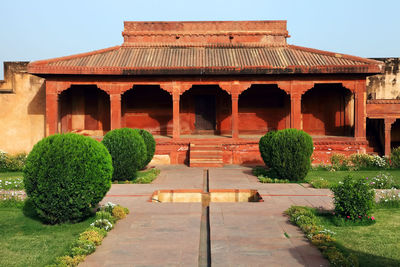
(242, 234)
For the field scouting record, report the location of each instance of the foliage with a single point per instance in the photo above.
(395, 157)
(320, 183)
(288, 153)
(265, 147)
(268, 180)
(100, 215)
(353, 198)
(12, 163)
(259, 171)
(381, 181)
(102, 232)
(118, 212)
(306, 219)
(11, 200)
(66, 175)
(11, 183)
(146, 177)
(83, 247)
(69, 261)
(150, 146)
(102, 224)
(128, 152)
(361, 160)
(339, 162)
(91, 235)
(334, 177)
(388, 198)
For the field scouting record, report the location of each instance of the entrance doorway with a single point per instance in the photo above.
(205, 114)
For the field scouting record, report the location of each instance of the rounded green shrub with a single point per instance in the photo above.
(353, 198)
(66, 176)
(395, 158)
(128, 152)
(265, 147)
(150, 146)
(288, 153)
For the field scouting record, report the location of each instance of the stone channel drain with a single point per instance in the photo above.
(213, 217)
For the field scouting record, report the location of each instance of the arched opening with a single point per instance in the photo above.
(84, 109)
(375, 134)
(205, 109)
(328, 109)
(395, 135)
(263, 108)
(147, 107)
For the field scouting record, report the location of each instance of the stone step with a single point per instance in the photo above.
(205, 155)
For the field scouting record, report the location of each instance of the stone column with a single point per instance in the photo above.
(388, 132)
(115, 110)
(235, 115)
(295, 111)
(51, 111)
(176, 131)
(360, 111)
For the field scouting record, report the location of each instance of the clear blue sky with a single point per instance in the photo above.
(41, 29)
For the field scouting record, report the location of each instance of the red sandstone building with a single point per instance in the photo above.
(213, 86)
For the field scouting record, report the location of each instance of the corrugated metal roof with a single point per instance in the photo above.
(205, 60)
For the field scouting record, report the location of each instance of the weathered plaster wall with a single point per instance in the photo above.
(22, 109)
(387, 85)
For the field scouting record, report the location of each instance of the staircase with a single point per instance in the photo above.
(205, 155)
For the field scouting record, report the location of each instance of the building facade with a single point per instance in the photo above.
(209, 90)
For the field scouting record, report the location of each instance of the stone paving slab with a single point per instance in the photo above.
(153, 234)
(242, 234)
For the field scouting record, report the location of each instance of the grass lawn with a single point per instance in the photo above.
(11, 175)
(374, 245)
(143, 177)
(27, 242)
(333, 177)
(11, 180)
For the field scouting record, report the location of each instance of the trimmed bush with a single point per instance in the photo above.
(288, 153)
(395, 157)
(128, 152)
(66, 176)
(353, 198)
(265, 146)
(150, 146)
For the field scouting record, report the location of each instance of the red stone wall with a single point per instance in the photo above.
(147, 107)
(84, 108)
(327, 110)
(263, 108)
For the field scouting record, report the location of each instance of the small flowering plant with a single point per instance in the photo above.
(353, 221)
(353, 200)
(11, 184)
(381, 181)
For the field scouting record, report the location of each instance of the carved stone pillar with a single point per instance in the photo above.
(388, 132)
(235, 115)
(176, 131)
(295, 111)
(360, 111)
(51, 108)
(115, 110)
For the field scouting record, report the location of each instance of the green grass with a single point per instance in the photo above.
(11, 180)
(374, 245)
(27, 242)
(143, 177)
(334, 177)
